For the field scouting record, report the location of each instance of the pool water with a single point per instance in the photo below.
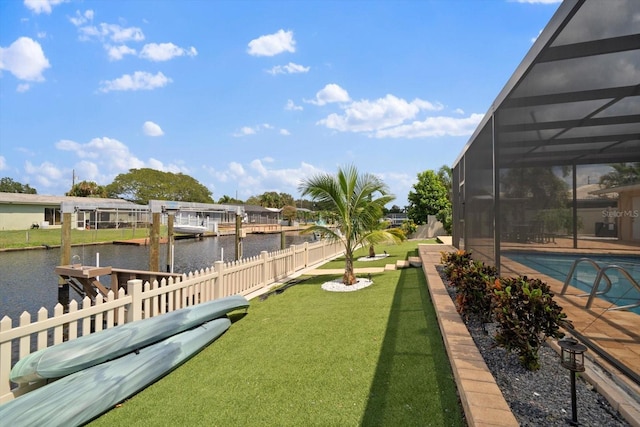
(622, 291)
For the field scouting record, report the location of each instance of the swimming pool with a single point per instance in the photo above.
(558, 266)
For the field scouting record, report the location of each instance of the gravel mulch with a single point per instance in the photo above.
(543, 397)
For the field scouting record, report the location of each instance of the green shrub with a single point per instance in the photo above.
(523, 308)
(409, 227)
(474, 290)
(526, 315)
(455, 264)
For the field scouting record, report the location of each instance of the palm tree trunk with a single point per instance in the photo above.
(372, 251)
(349, 277)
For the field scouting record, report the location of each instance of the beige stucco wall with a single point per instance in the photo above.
(20, 217)
(433, 228)
(627, 215)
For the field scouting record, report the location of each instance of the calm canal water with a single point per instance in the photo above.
(28, 281)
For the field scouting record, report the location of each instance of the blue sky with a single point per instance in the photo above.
(250, 96)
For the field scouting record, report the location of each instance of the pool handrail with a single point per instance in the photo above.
(573, 269)
(596, 284)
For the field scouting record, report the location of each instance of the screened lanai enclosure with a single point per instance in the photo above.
(555, 163)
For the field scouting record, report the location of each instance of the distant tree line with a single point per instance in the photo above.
(430, 195)
(8, 185)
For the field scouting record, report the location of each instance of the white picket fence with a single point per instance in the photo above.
(144, 300)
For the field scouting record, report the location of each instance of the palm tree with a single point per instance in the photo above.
(622, 174)
(357, 200)
(445, 173)
(378, 226)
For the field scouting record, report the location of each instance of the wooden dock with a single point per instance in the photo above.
(222, 231)
(143, 241)
(84, 279)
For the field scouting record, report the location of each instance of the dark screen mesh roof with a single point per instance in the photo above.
(575, 99)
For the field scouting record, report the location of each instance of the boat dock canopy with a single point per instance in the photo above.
(168, 205)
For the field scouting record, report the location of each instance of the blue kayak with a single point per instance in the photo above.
(89, 350)
(82, 396)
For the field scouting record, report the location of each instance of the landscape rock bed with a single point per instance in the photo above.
(543, 397)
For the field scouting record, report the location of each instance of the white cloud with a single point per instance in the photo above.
(260, 176)
(116, 53)
(120, 35)
(115, 36)
(329, 94)
(42, 6)
(23, 87)
(246, 130)
(433, 127)
(459, 111)
(236, 169)
(24, 59)
(158, 165)
(88, 171)
(45, 174)
(3, 163)
(88, 33)
(99, 160)
(113, 32)
(165, 51)
(67, 145)
(271, 178)
(284, 132)
(290, 68)
(533, 39)
(151, 129)
(272, 44)
(291, 106)
(112, 156)
(393, 117)
(26, 151)
(140, 80)
(258, 167)
(366, 116)
(81, 18)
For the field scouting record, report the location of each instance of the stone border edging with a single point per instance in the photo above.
(482, 400)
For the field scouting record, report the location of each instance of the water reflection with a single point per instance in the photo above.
(28, 281)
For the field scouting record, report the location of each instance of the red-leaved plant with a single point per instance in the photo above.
(455, 264)
(526, 315)
(474, 290)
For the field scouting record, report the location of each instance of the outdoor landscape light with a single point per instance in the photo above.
(572, 358)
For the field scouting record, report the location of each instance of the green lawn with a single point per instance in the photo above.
(307, 357)
(52, 236)
(401, 251)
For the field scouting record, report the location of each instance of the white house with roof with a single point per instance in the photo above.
(20, 211)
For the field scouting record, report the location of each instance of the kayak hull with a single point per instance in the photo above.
(84, 395)
(89, 350)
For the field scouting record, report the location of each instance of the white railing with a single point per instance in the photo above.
(144, 300)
